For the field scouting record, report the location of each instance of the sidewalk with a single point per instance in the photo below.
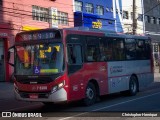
(6, 90)
(156, 74)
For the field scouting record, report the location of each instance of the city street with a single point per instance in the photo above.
(146, 101)
(70, 50)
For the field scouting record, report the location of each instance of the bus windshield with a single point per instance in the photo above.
(39, 59)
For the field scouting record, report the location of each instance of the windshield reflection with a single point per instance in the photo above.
(39, 59)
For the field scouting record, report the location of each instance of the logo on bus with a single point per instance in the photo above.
(116, 69)
(39, 88)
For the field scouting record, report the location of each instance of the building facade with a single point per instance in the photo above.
(126, 17)
(114, 15)
(23, 15)
(97, 14)
(152, 19)
(152, 25)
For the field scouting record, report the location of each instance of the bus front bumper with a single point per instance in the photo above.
(58, 96)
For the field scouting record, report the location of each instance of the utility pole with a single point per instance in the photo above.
(134, 17)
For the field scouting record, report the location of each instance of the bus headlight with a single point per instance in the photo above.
(57, 87)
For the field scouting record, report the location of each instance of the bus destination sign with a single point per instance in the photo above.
(38, 36)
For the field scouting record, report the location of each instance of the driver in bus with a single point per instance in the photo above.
(54, 54)
(53, 58)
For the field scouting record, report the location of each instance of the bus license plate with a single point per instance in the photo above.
(33, 96)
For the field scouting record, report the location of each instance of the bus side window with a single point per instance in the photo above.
(140, 49)
(93, 50)
(105, 49)
(102, 52)
(147, 49)
(118, 49)
(93, 53)
(130, 45)
(74, 54)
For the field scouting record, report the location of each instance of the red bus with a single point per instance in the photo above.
(58, 65)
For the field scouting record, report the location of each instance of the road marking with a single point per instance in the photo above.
(109, 106)
(125, 102)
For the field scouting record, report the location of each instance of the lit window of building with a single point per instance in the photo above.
(40, 13)
(89, 8)
(125, 14)
(62, 18)
(153, 20)
(78, 6)
(100, 10)
(147, 19)
(140, 17)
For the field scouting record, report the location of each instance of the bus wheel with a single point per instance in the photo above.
(90, 94)
(133, 86)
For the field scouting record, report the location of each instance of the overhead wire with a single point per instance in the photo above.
(57, 16)
(10, 13)
(150, 9)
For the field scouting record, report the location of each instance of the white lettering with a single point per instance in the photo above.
(34, 115)
(139, 114)
(9, 114)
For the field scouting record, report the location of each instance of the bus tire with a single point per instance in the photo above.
(90, 94)
(133, 86)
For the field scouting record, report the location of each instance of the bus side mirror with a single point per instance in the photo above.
(10, 51)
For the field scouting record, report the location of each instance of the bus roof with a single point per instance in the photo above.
(56, 33)
(108, 33)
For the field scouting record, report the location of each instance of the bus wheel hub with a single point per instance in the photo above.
(90, 93)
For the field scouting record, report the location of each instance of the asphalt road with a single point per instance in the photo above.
(147, 102)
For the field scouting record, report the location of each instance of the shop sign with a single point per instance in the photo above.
(97, 24)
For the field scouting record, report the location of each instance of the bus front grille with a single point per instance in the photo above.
(35, 81)
(39, 95)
